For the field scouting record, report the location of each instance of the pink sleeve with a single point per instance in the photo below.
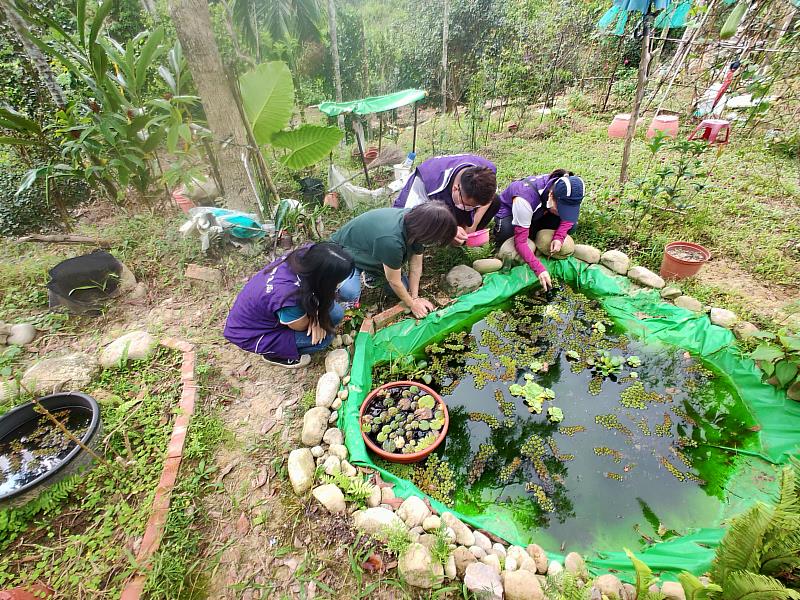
(521, 244)
(562, 231)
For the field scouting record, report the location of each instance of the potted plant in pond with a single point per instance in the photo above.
(403, 421)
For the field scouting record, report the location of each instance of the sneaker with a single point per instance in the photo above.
(288, 363)
(368, 281)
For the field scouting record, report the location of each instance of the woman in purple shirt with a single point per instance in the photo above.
(287, 310)
(466, 183)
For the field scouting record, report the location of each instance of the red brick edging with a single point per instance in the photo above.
(169, 474)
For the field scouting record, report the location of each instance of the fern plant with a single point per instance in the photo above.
(355, 489)
(644, 579)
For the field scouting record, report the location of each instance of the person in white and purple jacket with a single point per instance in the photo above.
(466, 183)
(534, 203)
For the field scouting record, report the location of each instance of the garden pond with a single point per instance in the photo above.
(573, 433)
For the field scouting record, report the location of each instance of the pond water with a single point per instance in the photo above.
(38, 447)
(571, 434)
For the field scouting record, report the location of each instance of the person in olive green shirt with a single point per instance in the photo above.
(382, 240)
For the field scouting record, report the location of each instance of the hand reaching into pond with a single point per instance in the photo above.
(420, 307)
(545, 280)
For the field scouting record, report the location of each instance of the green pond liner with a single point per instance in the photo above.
(643, 314)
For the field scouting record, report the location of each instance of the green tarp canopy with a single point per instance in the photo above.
(373, 104)
(778, 417)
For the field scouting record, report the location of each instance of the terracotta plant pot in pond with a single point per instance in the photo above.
(407, 411)
(683, 259)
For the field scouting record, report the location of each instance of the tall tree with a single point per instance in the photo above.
(337, 72)
(35, 56)
(193, 25)
(445, 29)
(283, 19)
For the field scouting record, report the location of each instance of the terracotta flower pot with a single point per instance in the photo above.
(331, 199)
(33, 592)
(680, 267)
(414, 456)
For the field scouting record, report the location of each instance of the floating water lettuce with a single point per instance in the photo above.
(555, 414)
(533, 394)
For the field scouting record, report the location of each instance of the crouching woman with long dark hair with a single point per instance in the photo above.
(287, 310)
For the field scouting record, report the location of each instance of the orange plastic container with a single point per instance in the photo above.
(676, 267)
(666, 123)
(619, 126)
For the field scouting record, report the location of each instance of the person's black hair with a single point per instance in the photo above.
(558, 173)
(430, 223)
(479, 183)
(321, 268)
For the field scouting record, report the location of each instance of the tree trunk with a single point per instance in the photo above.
(193, 26)
(35, 56)
(150, 7)
(641, 84)
(365, 59)
(445, 32)
(337, 73)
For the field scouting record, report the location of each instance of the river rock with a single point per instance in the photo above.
(70, 372)
(464, 535)
(333, 435)
(545, 236)
(301, 470)
(450, 571)
(483, 581)
(510, 564)
(327, 389)
(418, 569)
(136, 345)
(374, 497)
(630, 591)
(317, 451)
(387, 494)
(517, 553)
(508, 252)
(205, 274)
(554, 568)
(528, 564)
(337, 361)
(487, 265)
(670, 292)
(616, 261)
(348, 470)
(463, 558)
(333, 418)
(498, 550)
(723, 317)
(539, 556)
(21, 334)
(586, 253)
(689, 303)
(477, 552)
(375, 520)
(609, 585)
(332, 465)
(431, 523)
(337, 404)
(521, 585)
(413, 511)
(462, 279)
(673, 590)
(744, 330)
(482, 541)
(493, 561)
(338, 450)
(574, 563)
(331, 497)
(645, 277)
(315, 423)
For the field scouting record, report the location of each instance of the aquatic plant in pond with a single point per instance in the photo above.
(553, 409)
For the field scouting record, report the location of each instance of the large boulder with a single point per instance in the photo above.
(135, 345)
(616, 261)
(462, 279)
(418, 569)
(413, 511)
(375, 521)
(327, 387)
(586, 253)
(331, 497)
(543, 239)
(645, 277)
(508, 252)
(70, 372)
(483, 581)
(301, 470)
(337, 361)
(315, 423)
(521, 585)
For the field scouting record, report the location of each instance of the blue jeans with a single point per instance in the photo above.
(303, 340)
(350, 291)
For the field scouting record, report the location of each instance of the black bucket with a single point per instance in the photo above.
(83, 284)
(74, 461)
(312, 190)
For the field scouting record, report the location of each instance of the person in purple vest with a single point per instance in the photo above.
(466, 183)
(287, 310)
(534, 203)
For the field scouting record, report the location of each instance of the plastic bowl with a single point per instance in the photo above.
(478, 238)
(414, 456)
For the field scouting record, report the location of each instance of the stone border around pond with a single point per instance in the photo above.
(483, 561)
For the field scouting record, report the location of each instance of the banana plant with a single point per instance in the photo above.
(268, 98)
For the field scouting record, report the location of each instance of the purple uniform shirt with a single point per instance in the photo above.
(253, 323)
(437, 176)
(532, 189)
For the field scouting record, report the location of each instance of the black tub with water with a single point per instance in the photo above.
(35, 453)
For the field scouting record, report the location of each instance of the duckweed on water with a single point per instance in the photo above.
(642, 425)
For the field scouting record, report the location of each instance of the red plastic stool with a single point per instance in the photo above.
(711, 130)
